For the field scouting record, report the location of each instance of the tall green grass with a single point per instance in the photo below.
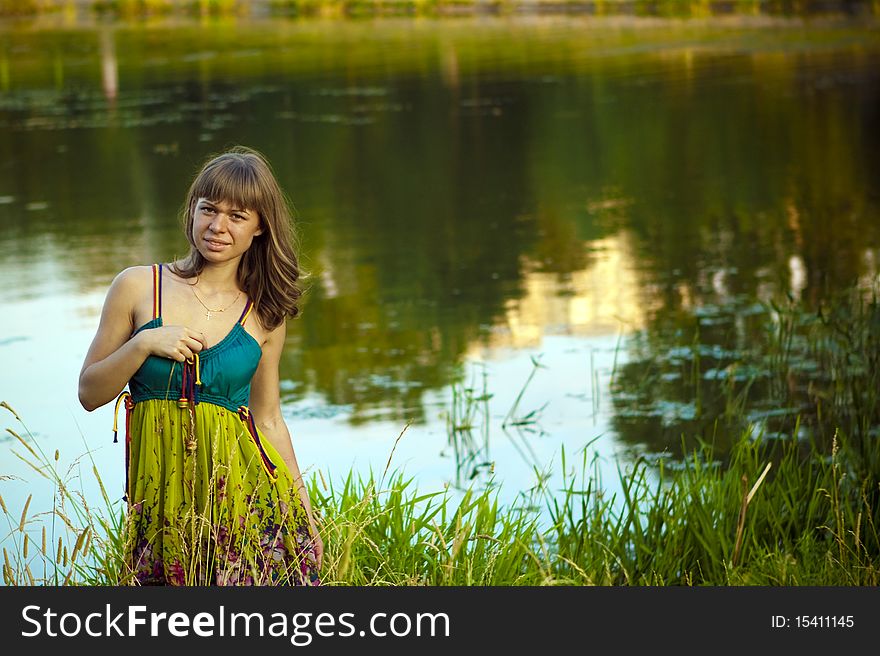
(73, 543)
(807, 523)
(767, 511)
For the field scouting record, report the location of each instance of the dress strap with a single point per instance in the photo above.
(157, 291)
(124, 397)
(245, 413)
(246, 312)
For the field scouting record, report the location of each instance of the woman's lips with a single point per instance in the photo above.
(215, 245)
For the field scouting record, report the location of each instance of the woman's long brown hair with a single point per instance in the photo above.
(269, 270)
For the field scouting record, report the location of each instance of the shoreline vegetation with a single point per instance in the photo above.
(791, 508)
(134, 9)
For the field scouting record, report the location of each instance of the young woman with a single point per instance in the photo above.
(214, 492)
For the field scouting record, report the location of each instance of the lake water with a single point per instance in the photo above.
(473, 196)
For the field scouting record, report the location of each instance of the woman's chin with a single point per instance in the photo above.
(213, 254)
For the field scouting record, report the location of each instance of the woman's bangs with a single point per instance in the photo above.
(230, 182)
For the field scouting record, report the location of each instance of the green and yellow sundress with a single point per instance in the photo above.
(210, 502)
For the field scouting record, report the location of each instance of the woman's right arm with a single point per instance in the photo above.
(115, 356)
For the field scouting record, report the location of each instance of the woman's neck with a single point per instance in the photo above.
(218, 277)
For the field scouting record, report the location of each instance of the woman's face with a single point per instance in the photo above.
(222, 231)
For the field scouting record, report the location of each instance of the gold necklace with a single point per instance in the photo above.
(208, 310)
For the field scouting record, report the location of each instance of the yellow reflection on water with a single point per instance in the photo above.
(602, 299)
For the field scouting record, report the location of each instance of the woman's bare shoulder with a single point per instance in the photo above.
(133, 279)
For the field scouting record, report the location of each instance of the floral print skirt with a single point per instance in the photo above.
(210, 501)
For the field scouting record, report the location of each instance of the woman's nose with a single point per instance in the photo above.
(218, 223)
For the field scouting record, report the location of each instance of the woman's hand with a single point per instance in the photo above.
(114, 355)
(318, 545)
(174, 342)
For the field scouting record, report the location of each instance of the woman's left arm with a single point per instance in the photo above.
(265, 405)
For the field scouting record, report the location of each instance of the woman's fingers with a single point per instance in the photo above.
(178, 342)
(193, 344)
(185, 352)
(317, 547)
(198, 337)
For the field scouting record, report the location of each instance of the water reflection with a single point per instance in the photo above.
(109, 67)
(475, 190)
